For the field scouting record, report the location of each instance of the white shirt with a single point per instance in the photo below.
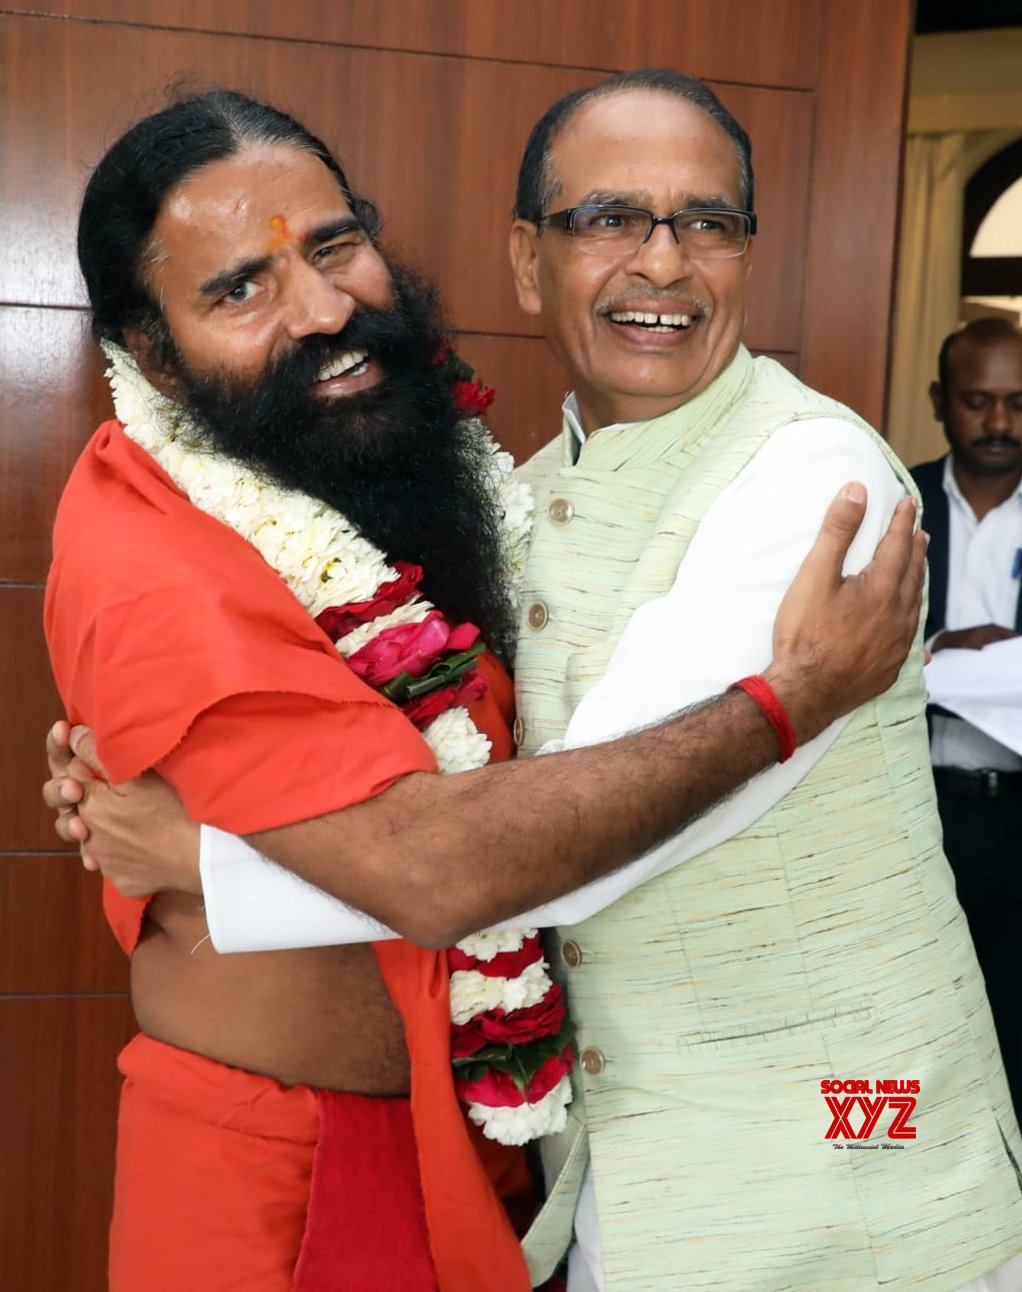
(984, 564)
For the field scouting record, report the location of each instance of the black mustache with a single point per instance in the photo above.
(997, 441)
(370, 330)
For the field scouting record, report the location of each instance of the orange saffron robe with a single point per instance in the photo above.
(156, 614)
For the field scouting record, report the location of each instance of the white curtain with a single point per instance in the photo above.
(937, 168)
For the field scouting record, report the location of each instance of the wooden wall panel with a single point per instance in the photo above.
(850, 252)
(53, 937)
(530, 385)
(780, 124)
(53, 396)
(468, 181)
(58, 1108)
(28, 706)
(770, 42)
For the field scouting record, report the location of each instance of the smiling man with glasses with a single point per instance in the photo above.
(813, 930)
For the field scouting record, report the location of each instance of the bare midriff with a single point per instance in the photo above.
(319, 1017)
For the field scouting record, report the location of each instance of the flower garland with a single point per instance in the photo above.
(511, 1038)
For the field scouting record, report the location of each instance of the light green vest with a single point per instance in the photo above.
(824, 941)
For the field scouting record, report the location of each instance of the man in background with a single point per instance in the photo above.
(972, 508)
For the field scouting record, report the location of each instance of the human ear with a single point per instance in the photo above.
(153, 362)
(937, 399)
(524, 259)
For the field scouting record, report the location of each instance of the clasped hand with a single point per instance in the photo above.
(137, 834)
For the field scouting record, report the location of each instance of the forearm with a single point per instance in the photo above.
(254, 904)
(436, 856)
(439, 857)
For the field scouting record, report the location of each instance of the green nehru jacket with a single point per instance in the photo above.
(823, 942)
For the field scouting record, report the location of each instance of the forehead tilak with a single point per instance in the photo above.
(281, 234)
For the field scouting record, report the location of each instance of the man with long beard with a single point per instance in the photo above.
(270, 576)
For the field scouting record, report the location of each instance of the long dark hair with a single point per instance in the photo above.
(124, 195)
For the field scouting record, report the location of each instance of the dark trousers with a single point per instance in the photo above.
(983, 842)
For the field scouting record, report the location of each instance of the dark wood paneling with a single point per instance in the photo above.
(53, 399)
(53, 937)
(771, 42)
(790, 361)
(853, 216)
(28, 706)
(461, 126)
(530, 386)
(780, 125)
(58, 1099)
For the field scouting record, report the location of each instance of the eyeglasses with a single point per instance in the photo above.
(706, 232)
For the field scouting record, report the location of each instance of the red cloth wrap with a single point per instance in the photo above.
(162, 623)
(365, 1228)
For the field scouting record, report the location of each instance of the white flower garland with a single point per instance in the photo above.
(475, 993)
(325, 562)
(525, 1122)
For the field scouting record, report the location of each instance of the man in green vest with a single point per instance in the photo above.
(787, 1060)
(787, 1065)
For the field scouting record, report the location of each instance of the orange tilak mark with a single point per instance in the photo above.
(281, 235)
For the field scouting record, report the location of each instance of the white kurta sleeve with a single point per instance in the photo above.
(714, 626)
(254, 904)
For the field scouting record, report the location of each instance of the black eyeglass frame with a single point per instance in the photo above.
(565, 220)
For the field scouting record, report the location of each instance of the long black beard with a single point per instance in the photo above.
(398, 461)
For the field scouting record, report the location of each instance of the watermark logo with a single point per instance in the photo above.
(877, 1111)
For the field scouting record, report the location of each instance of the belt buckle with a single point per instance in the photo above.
(992, 782)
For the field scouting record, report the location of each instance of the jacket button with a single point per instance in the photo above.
(593, 1062)
(538, 615)
(571, 953)
(560, 511)
(518, 732)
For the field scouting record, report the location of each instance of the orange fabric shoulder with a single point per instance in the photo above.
(142, 584)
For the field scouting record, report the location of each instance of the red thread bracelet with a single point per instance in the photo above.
(760, 690)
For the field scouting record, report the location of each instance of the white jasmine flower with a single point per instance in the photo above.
(493, 942)
(457, 742)
(547, 1116)
(474, 993)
